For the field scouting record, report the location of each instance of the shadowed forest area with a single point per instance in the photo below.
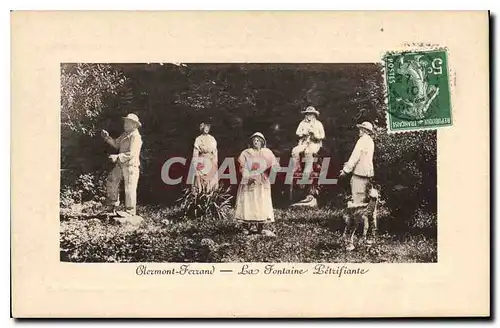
(238, 100)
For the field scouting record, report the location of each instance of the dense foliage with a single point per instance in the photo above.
(85, 90)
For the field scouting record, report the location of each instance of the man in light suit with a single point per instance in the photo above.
(361, 163)
(127, 165)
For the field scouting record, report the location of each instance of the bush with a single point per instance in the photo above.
(406, 170)
(88, 187)
(424, 220)
(214, 204)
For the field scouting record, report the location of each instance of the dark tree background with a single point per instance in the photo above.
(238, 99)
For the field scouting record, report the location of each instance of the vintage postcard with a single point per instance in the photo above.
(250, 164)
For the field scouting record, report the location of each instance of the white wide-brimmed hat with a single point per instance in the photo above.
(310, 110)
(260, 135)
(366, 126)
(133, 118)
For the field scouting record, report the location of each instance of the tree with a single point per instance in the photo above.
(84, 91)
(87, 91)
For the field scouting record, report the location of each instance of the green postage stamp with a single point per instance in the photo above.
(418, 90)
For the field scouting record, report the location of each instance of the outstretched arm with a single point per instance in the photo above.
(110, 141)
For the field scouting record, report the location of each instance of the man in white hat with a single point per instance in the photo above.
(127, 164)
(311, 133)
(361, 163)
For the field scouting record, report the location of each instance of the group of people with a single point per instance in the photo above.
(253, 201)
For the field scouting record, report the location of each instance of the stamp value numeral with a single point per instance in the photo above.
(437, 66)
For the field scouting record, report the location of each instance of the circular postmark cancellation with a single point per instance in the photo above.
(418, 92)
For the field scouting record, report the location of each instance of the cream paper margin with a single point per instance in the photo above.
(44, 287)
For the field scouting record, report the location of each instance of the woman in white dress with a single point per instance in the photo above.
(205, 160)
(253, 201)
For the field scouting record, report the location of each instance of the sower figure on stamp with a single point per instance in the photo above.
(424, 94)
(311, 134)
(360, 164)
(127, 165)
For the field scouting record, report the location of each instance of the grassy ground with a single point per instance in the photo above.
(312, 235)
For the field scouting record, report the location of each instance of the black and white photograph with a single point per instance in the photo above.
(240, 162)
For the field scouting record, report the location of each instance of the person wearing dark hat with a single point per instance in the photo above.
(127, 164)
(253, 201)
(206, 178)
(360, 163)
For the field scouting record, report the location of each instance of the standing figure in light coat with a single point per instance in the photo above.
(205, 158)
(253, 202)
(361, 163)
(127, 165)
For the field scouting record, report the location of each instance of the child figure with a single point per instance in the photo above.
(311, 133)
(127, 165)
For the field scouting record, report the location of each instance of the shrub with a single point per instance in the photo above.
(406, 170)
(70, 196)
(88, 187)
(215, 204)
(424, 220)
